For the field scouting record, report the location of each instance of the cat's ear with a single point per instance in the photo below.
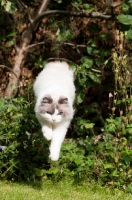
(47, 100)
(63, 100)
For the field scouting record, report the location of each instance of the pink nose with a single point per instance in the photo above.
(53, 120)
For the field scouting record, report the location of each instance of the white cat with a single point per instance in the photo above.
(55, 92)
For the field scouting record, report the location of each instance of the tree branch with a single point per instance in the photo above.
(43, 6)
(75, 14)
(63, 59)
(56, 42)
(3, 66)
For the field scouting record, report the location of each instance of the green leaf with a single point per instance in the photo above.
(130, 1)
(44, 63)
(129, 130)
(87, 62)
(114, 173)
(93, 76)
(75, 4)
(129, 35)
(125, 7)
(92, 51)
(79, 98)
(89, 125)
(8, 6)
(59, 1)
(125, 19)
(10, 42)
(63, 34)
(110, 128)
(39, 172)
(105, 52)
(12, 34)
(99, 61)
(87, 7)
(103, 36)
(53, 170)
(89, 50)
(73, 66)
(108, 166)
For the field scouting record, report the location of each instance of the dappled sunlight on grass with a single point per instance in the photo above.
(58, 191)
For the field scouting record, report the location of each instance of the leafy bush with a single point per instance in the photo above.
(25, 149)
(104, 158)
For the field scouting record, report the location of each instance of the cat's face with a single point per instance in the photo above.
(54, 111)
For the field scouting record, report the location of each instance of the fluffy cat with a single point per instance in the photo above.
(55, 92)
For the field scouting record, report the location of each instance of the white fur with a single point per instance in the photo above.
(56, 79)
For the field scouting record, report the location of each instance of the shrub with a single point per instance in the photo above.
(25, 149)
(104, 158)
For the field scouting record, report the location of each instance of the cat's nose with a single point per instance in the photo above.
(53, 120)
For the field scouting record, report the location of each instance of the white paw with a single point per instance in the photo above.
(47, 133)
(54, 156)
(54, 150)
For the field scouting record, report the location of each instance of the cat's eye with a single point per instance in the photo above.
(48, 112)
(60, 113)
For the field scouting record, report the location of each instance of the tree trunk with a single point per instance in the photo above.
(13, 85)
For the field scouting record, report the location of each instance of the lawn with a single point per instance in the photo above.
(64, 190)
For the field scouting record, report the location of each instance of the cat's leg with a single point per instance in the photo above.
(59, 133)
(47, 132)
(46, 127)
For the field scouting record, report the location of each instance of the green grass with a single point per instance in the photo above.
(64, 190)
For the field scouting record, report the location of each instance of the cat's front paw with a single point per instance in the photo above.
(54, 153)
(54, 156)
(47, 133)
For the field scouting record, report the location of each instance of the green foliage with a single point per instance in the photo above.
(79, 4)
(126, 19)
(59, 1)
(7, 32)
(40, 63)
(104, 158)
(24, 144)
(64, 32)
(86, 76)
(8, 6)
